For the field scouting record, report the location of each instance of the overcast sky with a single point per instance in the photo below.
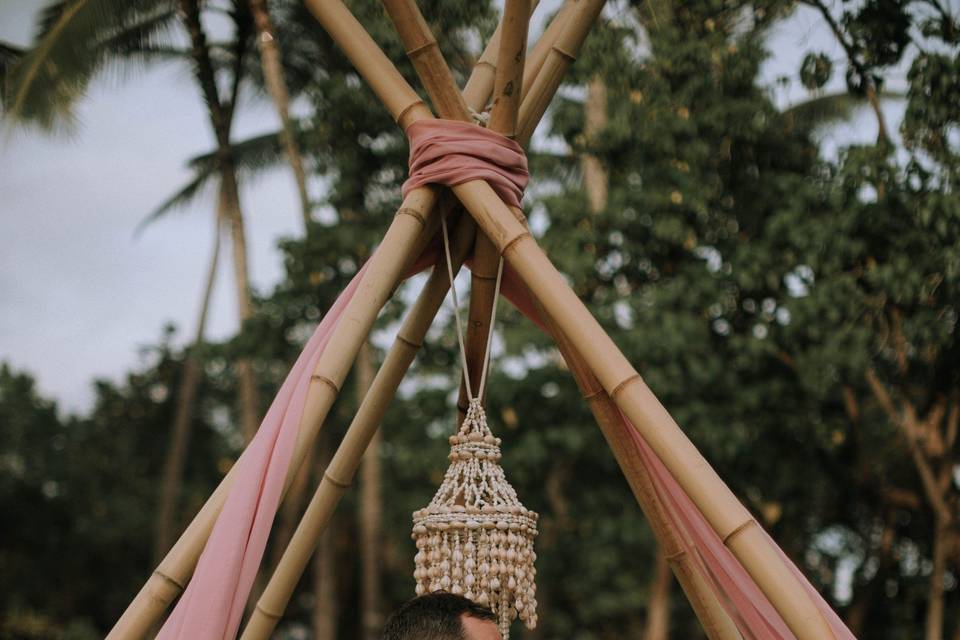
(79, 294)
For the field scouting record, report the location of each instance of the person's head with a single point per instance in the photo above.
(441, 616)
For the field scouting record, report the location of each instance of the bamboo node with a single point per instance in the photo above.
(676, 555)
(167, 578)
(418, 50)
(337, 483)
(408, 108)
(410, 211)
(740, 529)
(617, 389)
(563, 52)
(515, 240)
(262, 610)
(327, 381)
(592, 395)
(409, 343)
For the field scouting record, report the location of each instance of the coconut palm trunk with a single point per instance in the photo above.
(220, 114)
(596, 179)
(371, 512)
(175, 461)
(658, 603)
(277, 87)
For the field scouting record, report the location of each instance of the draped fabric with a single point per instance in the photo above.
(446, 153)
(450, 152)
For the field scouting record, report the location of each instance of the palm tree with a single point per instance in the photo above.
(171, 480)
(275, 80)
(76, 40)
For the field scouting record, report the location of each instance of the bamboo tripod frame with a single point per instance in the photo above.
(606, 379)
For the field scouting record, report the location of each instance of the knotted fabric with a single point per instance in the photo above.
(450, 152)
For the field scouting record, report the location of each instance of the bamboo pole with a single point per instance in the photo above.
(509, 80)
(729, 518)
(423, 51)
(713, 618)
(371, 63)
(538, 55)
(383, 272)
(562, 54)
(343, 466)
(486, 258)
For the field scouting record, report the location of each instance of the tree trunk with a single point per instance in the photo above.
(221, 118)
(595, 177)
(324, 616)
(371, 512)
(277, 86)
(246, 378)
(863, 599)
(658, 606)
(941, 540)
(173, 466)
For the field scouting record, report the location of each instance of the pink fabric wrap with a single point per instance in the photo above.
(448, 153)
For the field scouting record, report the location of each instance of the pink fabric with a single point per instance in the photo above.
(213, 603)
(450, 152)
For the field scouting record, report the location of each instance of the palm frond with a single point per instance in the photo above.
(184, 196)
(254, 156)
(828, 109)
(73, 41)
(9, 55)
(251, 157)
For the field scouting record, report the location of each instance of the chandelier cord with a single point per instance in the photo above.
(456, 315)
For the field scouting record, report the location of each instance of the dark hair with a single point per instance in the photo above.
(435, 616)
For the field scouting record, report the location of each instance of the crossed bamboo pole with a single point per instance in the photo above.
(275, 597)
(437, 80)
(435, 76)
(409, 231)
(729, 518)
(504, 115)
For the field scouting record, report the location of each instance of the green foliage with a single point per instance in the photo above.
(80, 493)
(932, 118)
(815, 70)
(74, 40)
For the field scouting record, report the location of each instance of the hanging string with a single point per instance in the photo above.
(456, 315)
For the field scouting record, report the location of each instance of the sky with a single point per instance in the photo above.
(80, 294)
